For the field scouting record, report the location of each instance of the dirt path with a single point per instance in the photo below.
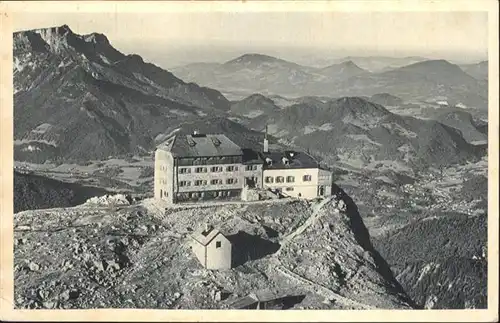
(307, 223)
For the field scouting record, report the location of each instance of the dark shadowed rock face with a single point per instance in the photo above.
(363, 238)
(76, 97)
(37, 192)
(441, 262)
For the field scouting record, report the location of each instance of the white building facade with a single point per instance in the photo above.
(211, 167)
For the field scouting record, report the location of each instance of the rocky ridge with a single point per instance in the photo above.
(135, 256)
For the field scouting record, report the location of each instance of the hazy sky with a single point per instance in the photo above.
(198, 36)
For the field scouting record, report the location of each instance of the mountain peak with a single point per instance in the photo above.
(434, 67)
(96, 38)
(348, 63)
(55, 37)
(253, 58)
(360, 105)
(61, 30)
(434, 63)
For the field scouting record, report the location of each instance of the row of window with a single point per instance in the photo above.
(289, 179)
(210, 194)
(214, 169)
(212, 182)
(209, 160)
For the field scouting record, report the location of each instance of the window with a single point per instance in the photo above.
(231, 168)
(280, 179)
(306, 178)
(231, 181)
(216, 169)
(289, 189)
(269, 179)
(290, 179)
(214, 181)
(198, 182)
(251, 167)
(184, 170)
(184, 183)
(217, 244)
(200, 170)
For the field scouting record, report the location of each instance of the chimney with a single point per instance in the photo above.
(266, 142)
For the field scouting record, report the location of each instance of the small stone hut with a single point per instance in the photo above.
(212, 248)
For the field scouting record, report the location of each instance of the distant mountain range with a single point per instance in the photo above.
(478, 71)
(357, 130)
(76, 97)
(409, 78)
(381, 63)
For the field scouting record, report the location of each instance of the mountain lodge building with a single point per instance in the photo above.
(199, 167)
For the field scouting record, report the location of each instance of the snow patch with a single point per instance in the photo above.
(254, 114)
(326, 127)
(364, 138)
(310, 129)
(27, 141)
(104, 59)
(387, 180)
(31, 148)
(108, 200)
(18, 66)
(43, 128)
(394, 127)
(179, 112)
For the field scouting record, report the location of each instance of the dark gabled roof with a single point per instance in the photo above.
(204, 237)
(209, 145)
(251, 156)
(296, 159)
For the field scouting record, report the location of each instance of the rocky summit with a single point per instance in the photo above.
(314, 255)
(76, 97)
